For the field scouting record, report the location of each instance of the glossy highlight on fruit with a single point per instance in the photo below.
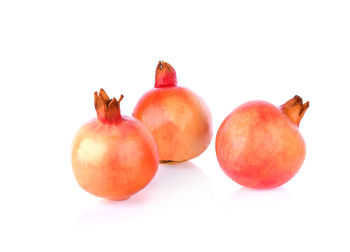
(113, 156)
(178, 119)
(259, 145)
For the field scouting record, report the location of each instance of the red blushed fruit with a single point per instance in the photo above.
(113, 156)
(178, 119)
(259, 145)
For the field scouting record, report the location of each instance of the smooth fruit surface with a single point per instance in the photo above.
(259, 145)
(178, 119)
(113, 156)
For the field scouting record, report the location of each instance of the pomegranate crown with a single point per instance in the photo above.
(108, 110)
(295, 109)
(165, 75)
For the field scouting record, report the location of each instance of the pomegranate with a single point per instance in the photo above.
(178, 119)
(113, 156)
(259, 145)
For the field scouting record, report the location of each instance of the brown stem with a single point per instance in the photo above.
(108, 110)
(295, 109)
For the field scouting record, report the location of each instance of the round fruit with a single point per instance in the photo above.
(113, 156)
(259, 145)
(178, 119)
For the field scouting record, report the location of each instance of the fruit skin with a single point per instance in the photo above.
(178, 119)
(114, 160)
(259, 146)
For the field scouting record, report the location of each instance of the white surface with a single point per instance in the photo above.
(55, 54)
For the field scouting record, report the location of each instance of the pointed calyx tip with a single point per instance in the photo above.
(160, 65)
(295, 109)
(108, 110)
(165, 75)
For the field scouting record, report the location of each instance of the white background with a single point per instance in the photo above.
(55, 54)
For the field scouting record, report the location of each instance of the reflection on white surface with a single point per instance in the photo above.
(246, 197)
(183, 182)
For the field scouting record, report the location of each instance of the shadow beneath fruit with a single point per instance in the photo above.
(254, 198)
(105, 211)
(259, 210)
(173, 183)
(180, 180)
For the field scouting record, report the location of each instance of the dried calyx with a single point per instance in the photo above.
(295, 109)
(165, 75)
(108, 110)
